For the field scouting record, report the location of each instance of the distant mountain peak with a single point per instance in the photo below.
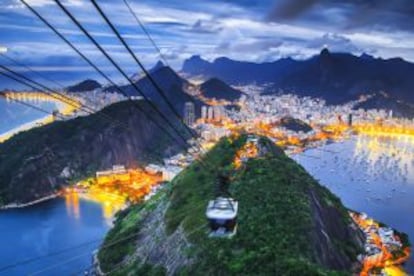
(366, 56)
(84, 86)
(195, 57)
(221, 59)
(216, 88)
(157, 66)
(325, 52)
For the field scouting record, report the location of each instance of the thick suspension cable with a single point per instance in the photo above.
(150, 78)
(120, 70)
(144, 29)
(180, 143)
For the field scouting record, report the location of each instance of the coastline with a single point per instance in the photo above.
(60, 106)
(28, 204)
(26, 126)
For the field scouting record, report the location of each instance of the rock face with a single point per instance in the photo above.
(336, 77)
(84, 86)
(36, 163)
(287, 223)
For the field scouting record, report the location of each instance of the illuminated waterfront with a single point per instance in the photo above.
(371, 174)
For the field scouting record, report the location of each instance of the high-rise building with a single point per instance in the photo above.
(210, 113)
(350, 119)
(189, 113)
(204, 112)
(217, 113)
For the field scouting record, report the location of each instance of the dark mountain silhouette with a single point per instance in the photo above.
(31, 162)
(157, 66)
(173, 86)
(84, 86)
(215, 88)
(137, 76)
(336, 77)
(383, 101)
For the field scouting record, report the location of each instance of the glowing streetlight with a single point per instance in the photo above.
(3, 50)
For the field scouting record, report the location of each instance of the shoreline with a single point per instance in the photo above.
(60, 106)
(26, 126)
(28, 204)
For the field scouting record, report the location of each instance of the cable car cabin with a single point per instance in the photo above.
(222, 215)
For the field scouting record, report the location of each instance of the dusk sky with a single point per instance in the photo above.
(254, 30)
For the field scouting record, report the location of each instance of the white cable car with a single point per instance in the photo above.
(222, 215)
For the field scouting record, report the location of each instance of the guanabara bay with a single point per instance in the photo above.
(219, 137)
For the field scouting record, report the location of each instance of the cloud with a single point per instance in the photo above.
(357, 14)
(288, 9)
(334, 42)
(203, 26)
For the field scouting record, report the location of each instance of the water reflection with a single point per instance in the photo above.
(72, 205)
(372, 174)
(109, 203)
(386, 156)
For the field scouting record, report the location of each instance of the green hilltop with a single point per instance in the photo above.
(288, 224)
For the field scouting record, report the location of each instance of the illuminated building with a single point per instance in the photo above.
(210, 113)
(204, 112)
(168, 173)
(117, 173)
(350, 119)
(189, 113)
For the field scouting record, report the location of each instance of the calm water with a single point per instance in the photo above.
(14, 114)
(371, 175)
(49, 227)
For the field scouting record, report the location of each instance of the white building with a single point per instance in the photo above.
(169, 172)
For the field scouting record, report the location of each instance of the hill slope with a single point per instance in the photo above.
(381, 101)
(32, 163)
(215, 88)
(288, 224)
(84, 86)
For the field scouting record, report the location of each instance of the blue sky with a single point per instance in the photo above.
(241, 29)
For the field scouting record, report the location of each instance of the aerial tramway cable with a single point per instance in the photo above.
(108, 79)
(120, 70)
(59, 96)
(151, 79)
(133, 13)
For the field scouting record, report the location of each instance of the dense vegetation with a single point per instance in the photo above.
(32, 162)
(119, 243)
(295, 124)
(277, 220)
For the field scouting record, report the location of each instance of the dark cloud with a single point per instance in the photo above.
(205, 27)
(363, 14)
(288, 9)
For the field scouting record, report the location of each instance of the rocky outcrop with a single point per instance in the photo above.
(154, 246)
(329, 229)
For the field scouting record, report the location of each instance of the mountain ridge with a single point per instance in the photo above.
(336, 77)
